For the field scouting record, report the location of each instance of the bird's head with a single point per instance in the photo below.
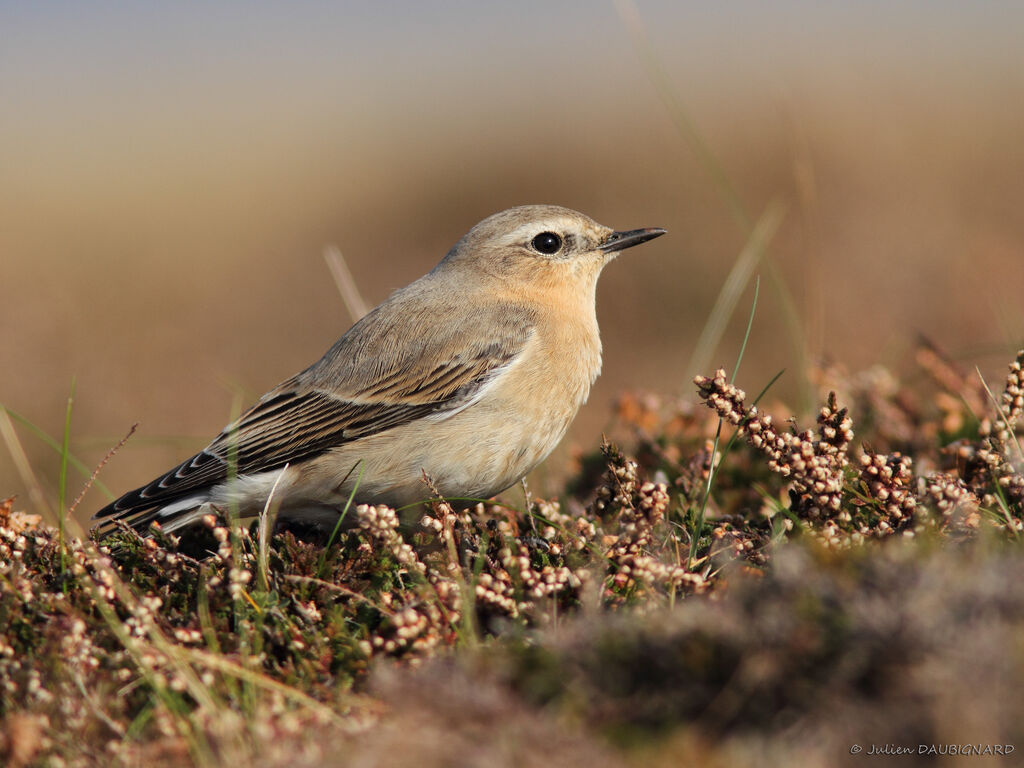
(534, 243)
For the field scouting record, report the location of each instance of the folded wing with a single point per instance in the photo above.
(375, 378)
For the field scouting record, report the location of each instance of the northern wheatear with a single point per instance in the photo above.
(471, 374)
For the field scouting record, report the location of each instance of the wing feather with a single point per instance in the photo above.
(350, 393)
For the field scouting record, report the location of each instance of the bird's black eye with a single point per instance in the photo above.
(547, 243)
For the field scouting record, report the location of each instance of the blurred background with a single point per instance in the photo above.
(170, 175)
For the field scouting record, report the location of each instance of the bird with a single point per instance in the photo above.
(468, 376)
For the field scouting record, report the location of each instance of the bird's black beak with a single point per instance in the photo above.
(620, 241)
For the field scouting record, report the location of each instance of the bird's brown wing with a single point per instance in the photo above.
(361, 387)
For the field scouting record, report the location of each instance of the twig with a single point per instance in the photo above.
(99, 467)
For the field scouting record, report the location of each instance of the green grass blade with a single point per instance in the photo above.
(678, 113)
(341, 517)
(698, 526)
(48, 441)
(746, 333)
(739, 276)
(24, 467)
(62, 486)
(659, 78)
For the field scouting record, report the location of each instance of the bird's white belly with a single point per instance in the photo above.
(474, 453)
